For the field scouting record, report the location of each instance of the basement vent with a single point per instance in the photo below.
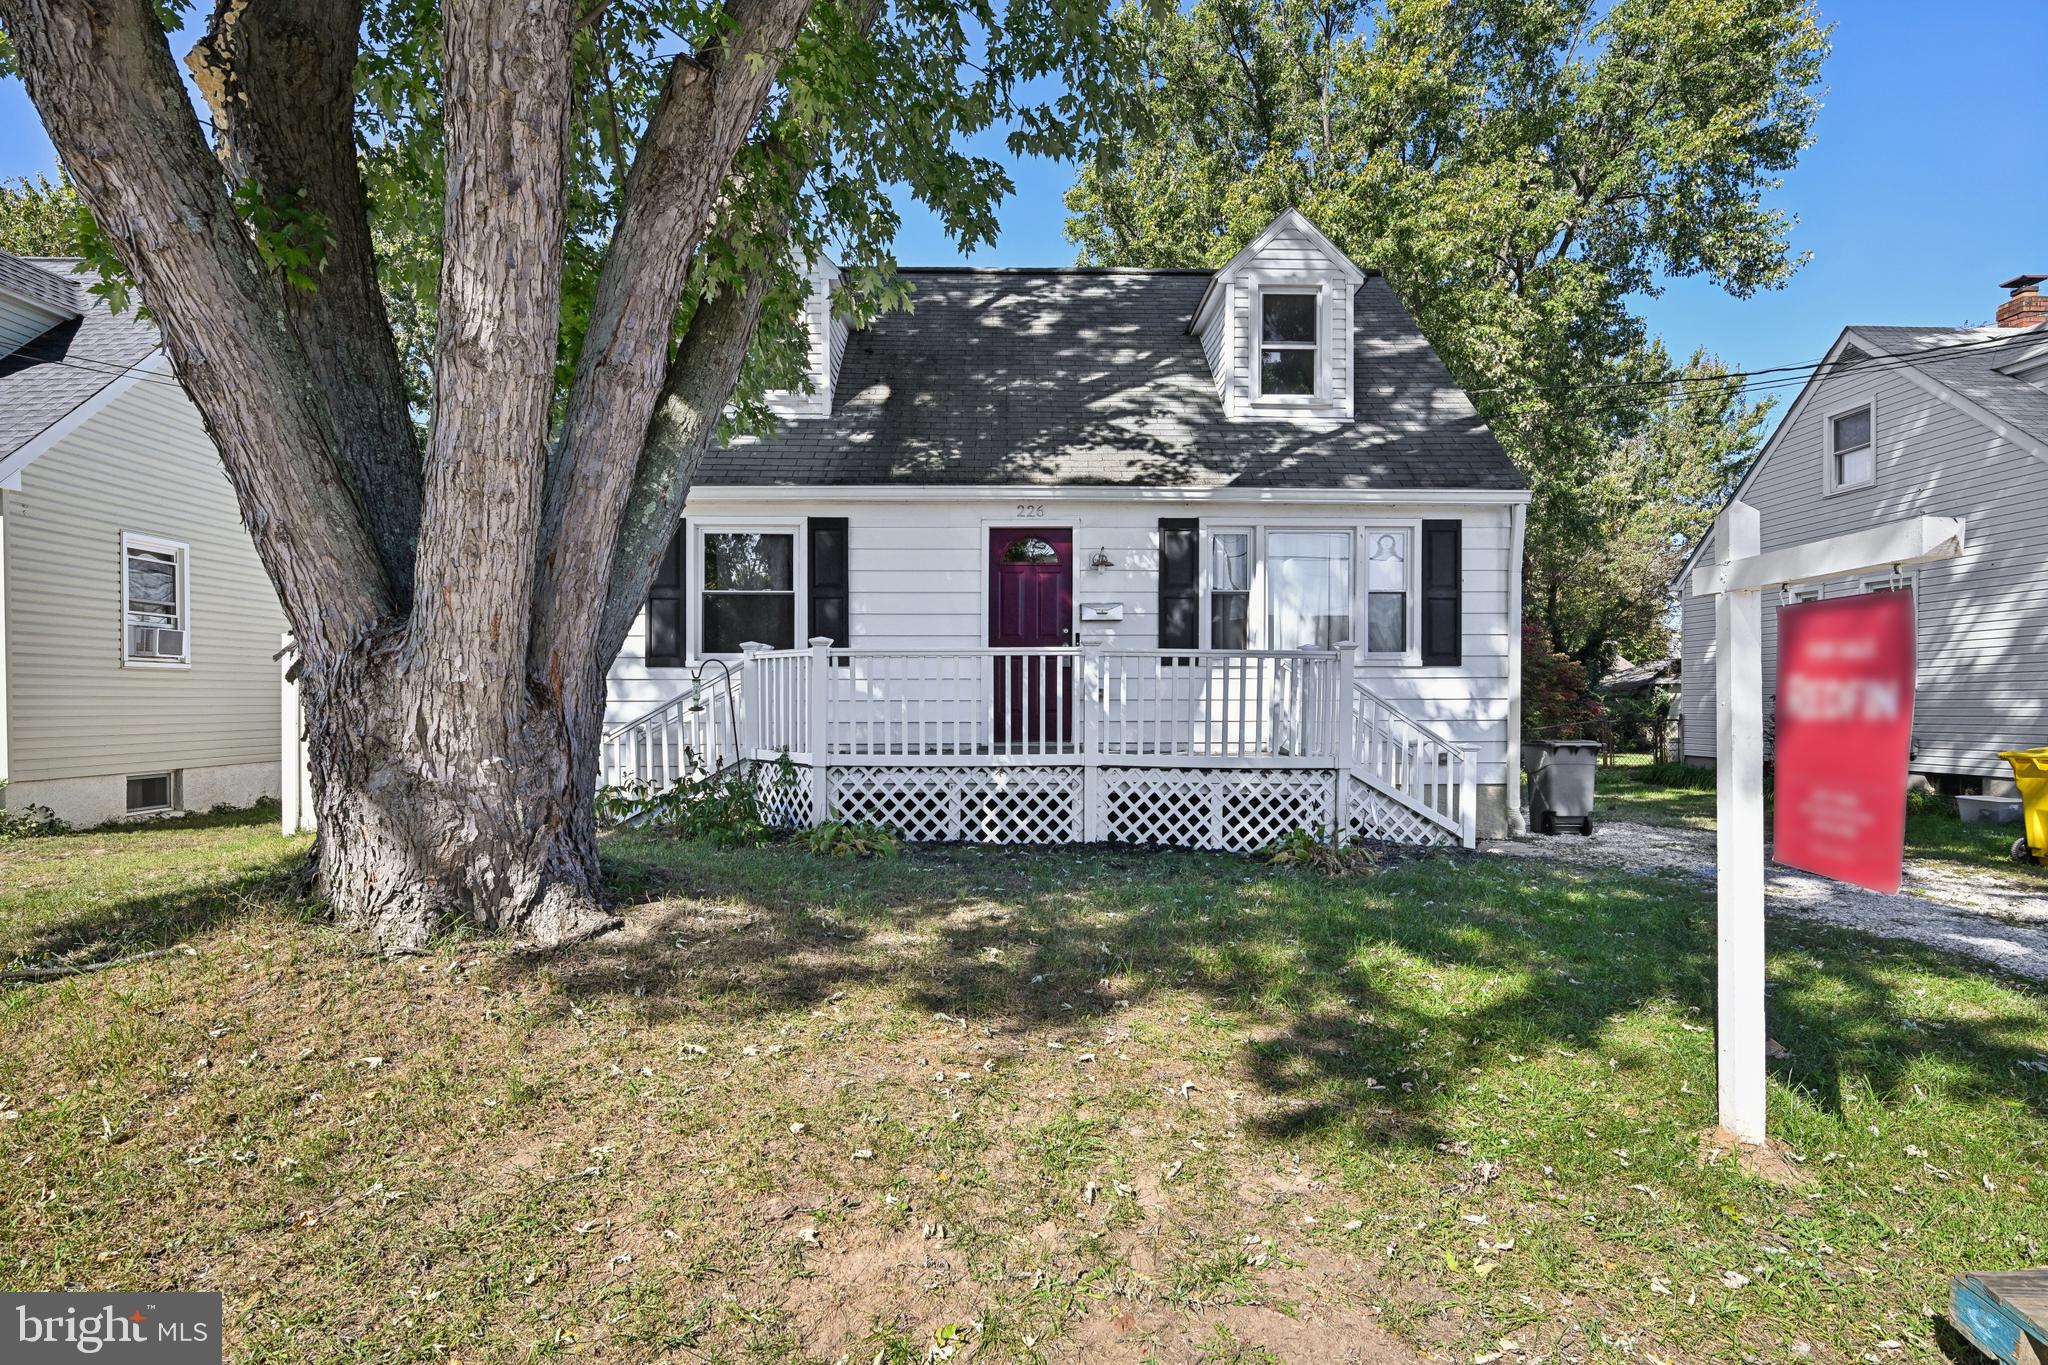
(150, 792)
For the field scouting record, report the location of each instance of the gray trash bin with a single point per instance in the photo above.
(1561, 783)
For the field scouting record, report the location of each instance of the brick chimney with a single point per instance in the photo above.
(2027, 307)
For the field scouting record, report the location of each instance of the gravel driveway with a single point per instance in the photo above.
(1995, 918)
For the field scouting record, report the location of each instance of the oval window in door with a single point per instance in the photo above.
(1029, 550)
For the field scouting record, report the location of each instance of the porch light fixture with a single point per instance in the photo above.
(1101, 560)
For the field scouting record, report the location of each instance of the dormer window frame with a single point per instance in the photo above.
(1295, 286)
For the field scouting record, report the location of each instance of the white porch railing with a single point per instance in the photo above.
(952, 717)
(1406, 759)
(688, 736)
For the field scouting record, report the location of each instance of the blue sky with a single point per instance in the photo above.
(1925, 186)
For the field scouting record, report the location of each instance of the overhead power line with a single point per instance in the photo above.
(1787, 376)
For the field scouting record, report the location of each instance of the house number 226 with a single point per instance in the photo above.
(1030, 509)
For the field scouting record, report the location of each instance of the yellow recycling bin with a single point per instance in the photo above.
(2030, 775)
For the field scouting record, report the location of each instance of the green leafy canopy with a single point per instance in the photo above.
(1521, 170)
(861, 118)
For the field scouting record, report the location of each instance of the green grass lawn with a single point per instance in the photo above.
(1940, 838)
(1074, 1104)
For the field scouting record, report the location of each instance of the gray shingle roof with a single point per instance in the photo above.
(1090, 378)
(28, 280)
(1973, 371)
(43, 381)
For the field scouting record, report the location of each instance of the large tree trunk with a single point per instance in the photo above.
(411, 842)
(453, 638)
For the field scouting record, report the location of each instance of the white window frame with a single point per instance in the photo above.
(1253, 557)
(693, 573)
(1831, 459)
(172, 796)
(182, 553)
(1306, 288)
(1259, 608)
(1835, 589)
(1411, 632)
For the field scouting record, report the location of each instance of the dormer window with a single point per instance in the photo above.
(1277, 326)
(1289, 356)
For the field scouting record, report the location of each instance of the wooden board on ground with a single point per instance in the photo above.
(2004, 1314)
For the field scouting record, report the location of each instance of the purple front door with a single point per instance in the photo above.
(1031, 607)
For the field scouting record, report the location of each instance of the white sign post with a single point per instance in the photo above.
(1736, 580)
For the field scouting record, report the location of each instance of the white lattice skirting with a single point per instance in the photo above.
(976, 805)
(1234, 810)
(1373, 816)
(785, 799)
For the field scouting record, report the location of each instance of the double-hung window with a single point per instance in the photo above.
(155, 603)
(1852, 448)
(1230, 588)
(1290, 359)
(749, 590)
(1387, 557)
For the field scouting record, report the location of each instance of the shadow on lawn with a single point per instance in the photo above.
(41, 927)
(1334, 981)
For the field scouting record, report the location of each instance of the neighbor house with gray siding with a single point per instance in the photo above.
(1172, 556)
(137, 628)
(1908, 421)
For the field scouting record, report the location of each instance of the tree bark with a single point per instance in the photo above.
(707, 107)
(279, 76)
(435, 810)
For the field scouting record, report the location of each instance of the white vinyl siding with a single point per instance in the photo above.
(1983, 673)
(918, 570)
(1216, 344)
(141, 464)
(826, 349)
(22, 322)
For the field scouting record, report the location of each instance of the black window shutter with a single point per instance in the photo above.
(1180, 583)
(1443, 591)
(668, 636)
(828, 577)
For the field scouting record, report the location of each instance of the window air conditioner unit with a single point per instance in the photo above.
(156, 642)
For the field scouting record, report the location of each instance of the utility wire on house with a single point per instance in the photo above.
(1791, 376)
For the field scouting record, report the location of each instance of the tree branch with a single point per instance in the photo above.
(101, 76)
(702, 119)
(279, 76)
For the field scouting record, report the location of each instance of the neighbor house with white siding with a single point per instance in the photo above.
(1166, 556)
(137, 629)
(1900, 422)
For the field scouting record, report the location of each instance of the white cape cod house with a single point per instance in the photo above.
(1153, 555)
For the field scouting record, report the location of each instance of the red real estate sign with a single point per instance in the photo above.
(1845, 732)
